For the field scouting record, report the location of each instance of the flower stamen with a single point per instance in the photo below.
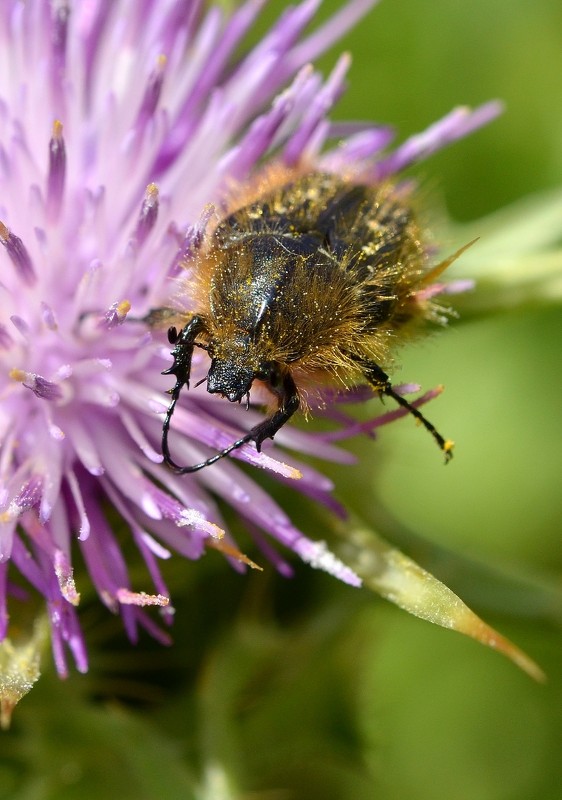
(18, 254)
(152, 92)
(41, 387)
(57, 172)
(148, 214)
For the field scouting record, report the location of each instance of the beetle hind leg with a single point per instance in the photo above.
(381, 382)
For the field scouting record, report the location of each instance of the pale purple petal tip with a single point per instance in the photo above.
(458, 123)
(329, 33)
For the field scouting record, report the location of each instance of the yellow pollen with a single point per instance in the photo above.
(18, 375)
(151, 192)
(57, 129)
(4, 233)
(123, 308)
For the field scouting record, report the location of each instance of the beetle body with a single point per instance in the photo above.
(311, 280)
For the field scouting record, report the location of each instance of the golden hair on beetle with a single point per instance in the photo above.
(308, 279)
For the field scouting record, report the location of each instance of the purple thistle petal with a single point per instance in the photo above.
(332, 31)
(179, 24)
(48, 316)
(456, 287)
(194, 236)
(80, 509)
(457, 124)
(215, 48)
(60, 11)
(20, 325)
(147, 547)
(261, 135)
(281, 565)
(358, 428)
(63, 571)
(127, 597)
(357, 148)
(6, 341)
(316, 114)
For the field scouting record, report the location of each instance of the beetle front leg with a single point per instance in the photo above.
(284, 387)
(184, 342)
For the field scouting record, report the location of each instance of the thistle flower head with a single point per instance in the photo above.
(120, 124)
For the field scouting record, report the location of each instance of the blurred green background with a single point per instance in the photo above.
(309, 690)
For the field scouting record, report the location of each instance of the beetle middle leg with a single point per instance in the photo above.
(284, 388)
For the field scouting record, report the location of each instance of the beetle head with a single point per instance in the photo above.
(234, 366)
